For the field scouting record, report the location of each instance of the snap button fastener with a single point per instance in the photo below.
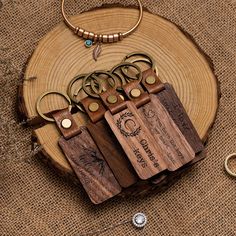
(93, 107)
(112, 99)
(150, 80)
(135, 93)
(139, 220)
(66, 123)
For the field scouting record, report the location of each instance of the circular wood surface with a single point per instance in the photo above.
(61, 55)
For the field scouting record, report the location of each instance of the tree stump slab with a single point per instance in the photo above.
(61, 55)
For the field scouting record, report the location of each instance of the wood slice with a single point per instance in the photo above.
(61, 55)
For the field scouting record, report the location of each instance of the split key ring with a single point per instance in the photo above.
(228, 158)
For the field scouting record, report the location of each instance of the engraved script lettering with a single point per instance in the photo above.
(137, 141)
(151, 156)
(158, 128)
(140, 158)
(180, 117)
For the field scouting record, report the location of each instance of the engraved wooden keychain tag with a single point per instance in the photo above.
(103, 135)
(135, 138)
(84, 156)
(108, 144)
(168, 97)
(175, 149)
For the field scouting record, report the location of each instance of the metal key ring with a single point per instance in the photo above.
(48, 93)
(96, 73)
(145, 55)
(121, 78)
(230, 172)
(77, 103)
(69, 89)
(111, 76)
(123, 65)
(147, 61)
(95, 83)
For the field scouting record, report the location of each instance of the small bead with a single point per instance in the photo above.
(91, 35)
(80, 32)
(105, 38)
(110, 38)
(86, 35)
(88, 43)
(116, 37)
(95, 38)
(121, 36)
(100, 38)
(76, 30)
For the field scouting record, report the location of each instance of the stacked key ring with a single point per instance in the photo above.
(92, 86)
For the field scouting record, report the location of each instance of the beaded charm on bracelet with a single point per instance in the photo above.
(93, 38)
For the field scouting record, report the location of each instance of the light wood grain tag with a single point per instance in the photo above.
(137, 141)
(176, 151)
(90, 167)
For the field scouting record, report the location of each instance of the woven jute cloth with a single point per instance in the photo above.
(35, 200)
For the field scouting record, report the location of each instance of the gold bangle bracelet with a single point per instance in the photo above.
(92, 38)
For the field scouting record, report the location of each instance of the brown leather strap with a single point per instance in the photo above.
(66, 124)
(94, 108)
(151, 82)
(135, 93)
(113, 101)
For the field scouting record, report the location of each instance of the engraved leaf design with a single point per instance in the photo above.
(97, 51)
(120, 124)
(90, 159)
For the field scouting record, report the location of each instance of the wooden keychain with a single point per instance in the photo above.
(131, 134)
(169, 99)
(83, 154)
(101, 132)
(172, 145)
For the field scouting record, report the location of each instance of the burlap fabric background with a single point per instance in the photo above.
(35, 200)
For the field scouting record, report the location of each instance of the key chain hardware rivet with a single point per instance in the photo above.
(93, 107)
(150, 80)
(112, 99)
(66, 123)
(135, 93)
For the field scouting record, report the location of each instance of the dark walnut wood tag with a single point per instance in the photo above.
(90, 167)
(173, 105)
(113, 153)
(137, 141)
(175, 148)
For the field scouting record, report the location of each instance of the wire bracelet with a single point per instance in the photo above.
(92, 38)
